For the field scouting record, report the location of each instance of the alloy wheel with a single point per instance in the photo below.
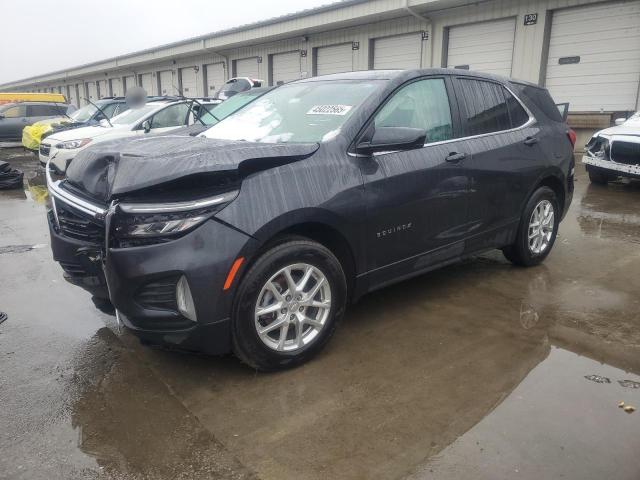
(541, 225)
(293, 307)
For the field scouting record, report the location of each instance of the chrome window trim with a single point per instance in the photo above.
(178, 206)
(66, 197)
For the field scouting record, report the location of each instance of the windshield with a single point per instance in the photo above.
(297, 113)
(132, 116)
(83, 114)
(215, 113)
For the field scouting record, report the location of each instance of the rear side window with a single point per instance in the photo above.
(422, 104)
(44, 110)
(517, 114)
(541, 98)
(483, 106)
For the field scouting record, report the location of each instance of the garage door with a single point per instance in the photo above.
(485, 47)
(92, 91)
(72, 95)
(215, 77)
(285, 67)
(400, 51)
(166, 83)
(594, 57)
(334, 59)
(116, 87)
(146, 82)
(247, 67)
(189, 82)
(102, 89)
(129, 82)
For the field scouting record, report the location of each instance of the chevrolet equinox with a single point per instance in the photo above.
(253, 236)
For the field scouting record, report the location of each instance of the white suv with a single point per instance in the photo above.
(154, 117)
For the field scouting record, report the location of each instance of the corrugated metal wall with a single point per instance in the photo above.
(529, 45)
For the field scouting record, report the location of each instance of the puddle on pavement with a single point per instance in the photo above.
(555, 424)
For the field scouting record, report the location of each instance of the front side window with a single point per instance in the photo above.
(483, 107)
(172, 116)
(423, 104)
(297, 113)
(44, 110)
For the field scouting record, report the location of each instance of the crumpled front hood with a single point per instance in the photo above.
(633, 130)
(124, 166)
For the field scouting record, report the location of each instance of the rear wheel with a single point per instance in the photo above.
(288, 305)
(537, 229)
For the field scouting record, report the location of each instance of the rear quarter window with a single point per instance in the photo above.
(540, 98)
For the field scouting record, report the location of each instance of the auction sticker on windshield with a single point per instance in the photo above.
(329, 110)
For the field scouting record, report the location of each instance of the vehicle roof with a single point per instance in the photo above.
(408, 74)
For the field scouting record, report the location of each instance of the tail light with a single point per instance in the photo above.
(572, 137)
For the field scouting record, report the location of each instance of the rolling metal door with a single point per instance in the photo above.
(484, 47)
(92, 91)
(189, 82)
(215, 78)
(102, 89)
(334, 59)
(166, 83)
(116, 87)
(146, 81)
(129, 82)
(247, 67)
(285, 67)
(594, 57)
(73, 95)
(400, 51)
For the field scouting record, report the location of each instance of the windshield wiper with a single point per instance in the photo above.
(101, 111)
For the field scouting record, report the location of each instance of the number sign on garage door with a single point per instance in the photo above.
(166, 83)
(247, 67)
(334, 59)
(146, 81)
(285, 67)
(594, 57)
(215, 77)
(189, 82)
(399, 51)
(485, 47)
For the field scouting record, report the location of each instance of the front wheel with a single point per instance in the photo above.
(288, 305)
(537, 229)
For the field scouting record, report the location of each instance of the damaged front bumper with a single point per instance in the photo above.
(142, 282)
(617, 154)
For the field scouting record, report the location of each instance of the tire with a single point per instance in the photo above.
(521, 252)
(269, 352)
(598, 177)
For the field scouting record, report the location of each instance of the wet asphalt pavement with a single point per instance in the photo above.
(477, 371)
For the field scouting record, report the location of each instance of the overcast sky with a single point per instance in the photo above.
(40, 36)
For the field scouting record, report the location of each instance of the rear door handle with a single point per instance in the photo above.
(455, 157)
(530, 141)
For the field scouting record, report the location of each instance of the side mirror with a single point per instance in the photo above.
(620, 121)
(146, 126)
(387, 139)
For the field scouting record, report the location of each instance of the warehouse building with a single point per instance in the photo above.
(587, 52)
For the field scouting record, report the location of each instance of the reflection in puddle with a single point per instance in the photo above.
(612, 212)
(553, 425)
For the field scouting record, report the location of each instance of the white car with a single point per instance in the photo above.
(614, 152)
(155, 117)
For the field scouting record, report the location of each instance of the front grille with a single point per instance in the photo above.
(45, 149)
(627, 153)
(75, 224)
(159, 295)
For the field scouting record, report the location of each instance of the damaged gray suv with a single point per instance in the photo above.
(253, 236)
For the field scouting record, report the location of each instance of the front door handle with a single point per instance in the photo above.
(529, 141)
(455, 157)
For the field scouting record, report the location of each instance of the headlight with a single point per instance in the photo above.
(155, 220)
(71, 144)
